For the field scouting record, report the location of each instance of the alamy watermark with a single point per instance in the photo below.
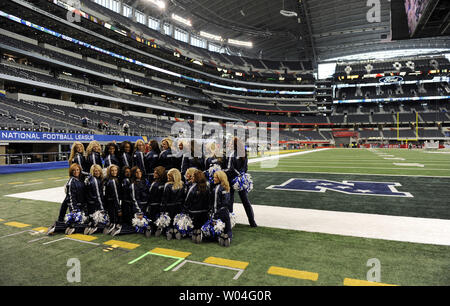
(374, 273)
(251, 138)
(74, 273)
(73, 13)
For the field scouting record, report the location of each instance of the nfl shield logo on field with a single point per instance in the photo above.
(348, 187)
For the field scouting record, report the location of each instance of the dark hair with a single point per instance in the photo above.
(122, 146)
(162, 174)
(133, 173)
(154, 146)
(200, 179)
(124, 168)
(111, 144)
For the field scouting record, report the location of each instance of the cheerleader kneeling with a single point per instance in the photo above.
(219, 226)
(76, 219)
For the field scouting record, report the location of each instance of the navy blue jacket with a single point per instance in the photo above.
(195, 200)
(112, 193)
(125, 159)
(79, 159)
(139, 195)
(234, 166)
(156, 192)
(94, 192)
(93, 159)
(220, 198)
(139, 161)
(126, 190)
(171, 196)
(166, 159)
(75, 194)
(112, 160)
(151, 162)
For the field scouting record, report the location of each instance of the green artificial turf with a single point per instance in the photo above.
(333, 257)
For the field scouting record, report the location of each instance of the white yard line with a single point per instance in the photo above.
(342, 173)
(275, 157)
(27, 184)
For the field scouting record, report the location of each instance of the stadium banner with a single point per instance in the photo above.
(2, 93)
(9, 169)
(25, 136)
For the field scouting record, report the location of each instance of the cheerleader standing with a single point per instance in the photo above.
(235, 165)
(112, 198)
(77, 157)
(139, 156)
(172, 200)
(196, 162)
(197, 204)
(110, 155)
(93, 155)
(125, 155)
(165, 157)
(152, 159)
(74, 200)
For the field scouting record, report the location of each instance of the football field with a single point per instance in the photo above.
(322, 216)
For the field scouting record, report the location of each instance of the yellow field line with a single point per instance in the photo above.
(122, 244)
(15, 183)
(293, 273)
(39, 180)
(40, 229)
(81, 237)
(17, 224)
(226, 262)
(358, 282)
(169, 252)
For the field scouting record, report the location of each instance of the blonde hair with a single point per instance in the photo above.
(136, 145)
(174, 178)
(169, 142)
(91, 146)
(221, 175)
(72, 151)
(190, 172)
(93, 167)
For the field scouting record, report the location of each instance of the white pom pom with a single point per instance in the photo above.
(163, 221)
(139, 222)
(100, 217)
(219, 226)
(183, 222)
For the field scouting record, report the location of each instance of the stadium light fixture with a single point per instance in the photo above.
(211, 36)
(159, 3)
(182, 20)
(240, 43)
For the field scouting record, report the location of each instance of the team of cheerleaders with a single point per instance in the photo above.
(152, 190)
